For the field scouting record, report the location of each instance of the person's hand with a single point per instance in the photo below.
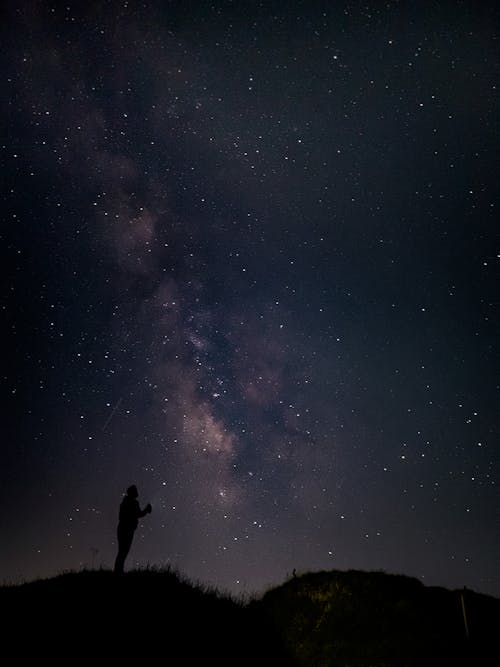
(149, 509)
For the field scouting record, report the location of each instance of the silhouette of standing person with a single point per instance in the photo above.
(130, 513)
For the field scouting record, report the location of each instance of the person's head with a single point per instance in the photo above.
(132, 491)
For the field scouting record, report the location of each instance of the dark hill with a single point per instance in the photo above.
(142, 617)
(318, 619)
(372, 618)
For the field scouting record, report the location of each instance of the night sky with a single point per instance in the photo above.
(251, 264)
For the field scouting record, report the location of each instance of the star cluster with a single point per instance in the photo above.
(251, 265)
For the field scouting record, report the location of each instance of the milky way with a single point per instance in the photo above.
(251, 265)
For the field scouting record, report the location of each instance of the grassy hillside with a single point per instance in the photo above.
(318, 619)
(372, 618)
(145, 617)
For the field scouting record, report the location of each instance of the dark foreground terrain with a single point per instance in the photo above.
(317, 619)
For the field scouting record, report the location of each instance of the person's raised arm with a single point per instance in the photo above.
(146, 510)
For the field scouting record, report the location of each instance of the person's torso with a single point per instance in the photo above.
(129, 512)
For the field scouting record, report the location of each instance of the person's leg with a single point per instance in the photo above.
(124, 543)
(119, 562)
